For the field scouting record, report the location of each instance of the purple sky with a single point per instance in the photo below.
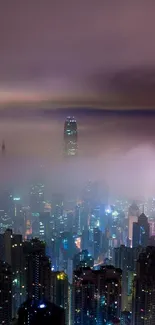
(78, 53)
(98, 53)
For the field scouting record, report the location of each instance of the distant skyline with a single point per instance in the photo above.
(116, 149)
(57, 54)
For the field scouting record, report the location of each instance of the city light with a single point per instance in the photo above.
(41, 306)
(61, 276)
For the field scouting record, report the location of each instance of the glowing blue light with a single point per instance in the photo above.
(108, 210)
(41, 306)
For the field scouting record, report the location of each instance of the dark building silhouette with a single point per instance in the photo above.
(97, 242)
(12, 253)
(70, 137)
(60, 291)
(38, 270)
(143, 311)
(5, 293)
(40, 313)
(6, 210)
(97, 295)
(141, 231)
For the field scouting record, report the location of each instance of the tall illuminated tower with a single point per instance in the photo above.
(70, 136)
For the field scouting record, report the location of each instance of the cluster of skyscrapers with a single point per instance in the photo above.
(76, 261)
(93, 261)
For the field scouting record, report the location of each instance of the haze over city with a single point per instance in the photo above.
(99, 58)
(77, 162)
(115, 149)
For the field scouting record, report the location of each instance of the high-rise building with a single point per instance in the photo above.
(125, 258)
(97, 242)
(38, 270)
(82, 216)
(144, 289)
(70, 136)
(67, 250)
(96, 295)
(18, 216)
(44, 226)
(59, 291)
(39, 313)
(6, 210)
(13, 255)
(5, 293)
(77, 225)
(27, 222)
(133, 215)
(37, 198)
(141, 231)
(57, 219)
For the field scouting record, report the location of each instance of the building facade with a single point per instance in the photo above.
(96, 295)
(70, 137)
(5, 293)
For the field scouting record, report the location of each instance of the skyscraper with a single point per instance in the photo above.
(125, 258)
(57, 219)
(44, 226)
(38, 270)
(13, 255)
(70, 137)
(96, 295)
(5, 293)
(141, 231)
(6, 210)
(133, 215)
(97, 243)
(144, 289)
(37, 198)
(59, 291)
(18, 216)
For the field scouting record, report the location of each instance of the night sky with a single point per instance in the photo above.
(101, 55)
